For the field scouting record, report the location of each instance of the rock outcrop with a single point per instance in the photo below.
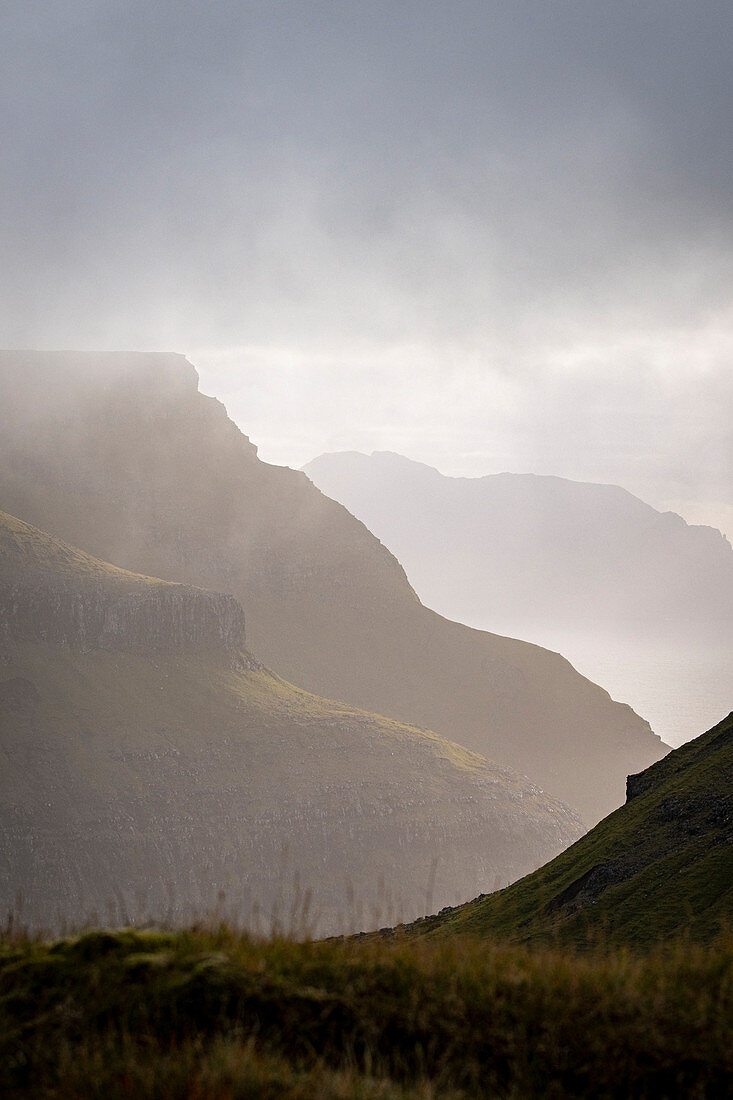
(56, 594)
(164, 617)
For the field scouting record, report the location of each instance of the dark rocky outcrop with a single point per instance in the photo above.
(637, 784)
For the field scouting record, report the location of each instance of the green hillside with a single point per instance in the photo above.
(121, 455)
(151, 766)
(659, 867)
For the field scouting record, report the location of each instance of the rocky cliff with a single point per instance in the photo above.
(163, 618)
(51, 592)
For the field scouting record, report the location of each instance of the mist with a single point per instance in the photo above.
(637, 599)
(489, 236)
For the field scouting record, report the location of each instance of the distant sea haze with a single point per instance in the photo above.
(681, 693)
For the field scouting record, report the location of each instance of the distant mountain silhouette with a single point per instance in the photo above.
(660, 867)
(121, 455)
(147, 754)
(539, 557)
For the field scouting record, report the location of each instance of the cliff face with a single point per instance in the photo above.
(122, 456)
(55, 593)
(165, 618)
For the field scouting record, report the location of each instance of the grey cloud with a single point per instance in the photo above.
(270, 166)
(529, 202)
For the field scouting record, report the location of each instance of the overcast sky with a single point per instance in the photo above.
(490, 235)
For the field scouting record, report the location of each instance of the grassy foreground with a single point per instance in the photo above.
(210, 1015)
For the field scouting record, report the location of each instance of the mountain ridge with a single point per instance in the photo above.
(605, 554)
(637, 599)
(398, 460)
(128, 460)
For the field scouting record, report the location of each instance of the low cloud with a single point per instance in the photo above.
(490, 235)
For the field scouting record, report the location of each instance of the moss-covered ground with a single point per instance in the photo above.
(215, 1015)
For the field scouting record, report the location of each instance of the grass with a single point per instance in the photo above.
(216, 1015)
(131, 771)
(658, 866)
(28, 554)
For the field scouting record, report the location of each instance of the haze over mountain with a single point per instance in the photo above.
(147, 754)
(530, 554)
(356, 217)
(659, 867)
(626, 592)
(121, 455)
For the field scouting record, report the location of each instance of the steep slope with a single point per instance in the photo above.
(636, 599)
(533, 555)
(121, 455)
(146, 755)
(660, 866)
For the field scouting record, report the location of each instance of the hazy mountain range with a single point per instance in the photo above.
(531, 555)
(637, 599)
(123, 457)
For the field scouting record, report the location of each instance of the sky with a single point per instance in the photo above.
(491, 235)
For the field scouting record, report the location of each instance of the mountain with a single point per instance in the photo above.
(636, 599)
(146, 752)
(538, 557)
(121, 455)
(659, 867)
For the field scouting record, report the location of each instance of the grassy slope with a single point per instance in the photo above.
(659, 866)
(28, 555)
(210, 1014)
(201, 771)
(136, 774)
(123, 456)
